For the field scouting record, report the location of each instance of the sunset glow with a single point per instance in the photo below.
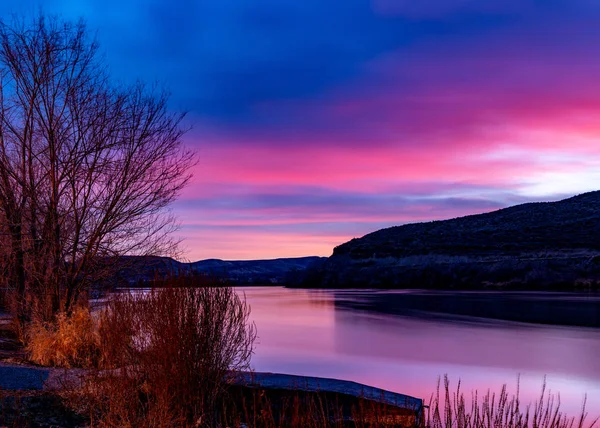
(316, 122)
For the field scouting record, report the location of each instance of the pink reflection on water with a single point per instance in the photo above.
(305, 332)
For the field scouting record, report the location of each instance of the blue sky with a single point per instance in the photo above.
(319, 121)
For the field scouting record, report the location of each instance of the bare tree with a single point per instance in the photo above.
(4, 260)
(87, 168)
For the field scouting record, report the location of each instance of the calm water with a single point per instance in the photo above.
(357, 335)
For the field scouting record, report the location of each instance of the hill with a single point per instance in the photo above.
(534, 245)
(241, 272)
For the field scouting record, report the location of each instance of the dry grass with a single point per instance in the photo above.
(449, 410)
(68, 342)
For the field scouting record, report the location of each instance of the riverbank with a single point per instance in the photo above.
(31, 395)
(279, 400)
(317, 325)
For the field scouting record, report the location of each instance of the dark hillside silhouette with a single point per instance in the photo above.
(535, 245)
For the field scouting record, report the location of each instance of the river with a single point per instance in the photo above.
(362, 335)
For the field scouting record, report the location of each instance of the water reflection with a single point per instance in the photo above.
(344, 334)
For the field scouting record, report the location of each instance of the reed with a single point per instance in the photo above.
(449, 409)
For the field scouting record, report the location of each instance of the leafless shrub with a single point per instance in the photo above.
(168, 355)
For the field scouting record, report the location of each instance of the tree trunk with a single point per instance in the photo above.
(22, 308)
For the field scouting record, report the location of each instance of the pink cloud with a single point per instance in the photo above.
(490, 118)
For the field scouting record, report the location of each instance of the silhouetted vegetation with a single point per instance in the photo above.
(450, 409)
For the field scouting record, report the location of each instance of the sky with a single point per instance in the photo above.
(317, 121)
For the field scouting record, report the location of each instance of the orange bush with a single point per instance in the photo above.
(68, 342)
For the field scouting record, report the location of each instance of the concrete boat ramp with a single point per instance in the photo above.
(23, 377)
(19, 377)
(26, 377)
(326, 385)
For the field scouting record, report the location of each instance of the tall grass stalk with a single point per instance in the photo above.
(448, 409)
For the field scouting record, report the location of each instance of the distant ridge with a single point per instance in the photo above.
(140, 270)
(532, 246)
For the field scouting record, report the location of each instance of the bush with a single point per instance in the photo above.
(68, 342)
(169, 355)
